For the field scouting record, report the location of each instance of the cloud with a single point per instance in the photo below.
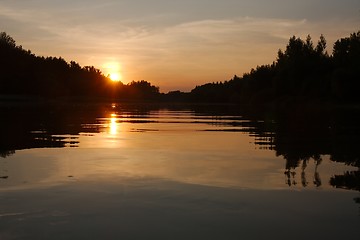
(168, 48)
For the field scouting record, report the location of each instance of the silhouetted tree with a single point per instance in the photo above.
(346, 73)
(23, 73)
(302, 70)
(301, 73)
(6, 40)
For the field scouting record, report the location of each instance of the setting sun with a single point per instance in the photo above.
(113, 70)
(115, 77)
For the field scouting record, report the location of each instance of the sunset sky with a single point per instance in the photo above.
(173, 44)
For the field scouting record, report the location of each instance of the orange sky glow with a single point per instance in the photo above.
(175, 45)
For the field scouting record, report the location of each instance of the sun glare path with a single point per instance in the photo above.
(113, 126)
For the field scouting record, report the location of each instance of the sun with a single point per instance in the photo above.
(115, 77)
(113, 70)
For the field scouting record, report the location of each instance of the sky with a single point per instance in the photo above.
(173, 44)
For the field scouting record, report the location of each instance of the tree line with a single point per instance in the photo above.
(24, 73)
(303, 71)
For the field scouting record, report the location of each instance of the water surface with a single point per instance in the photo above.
(111, 171)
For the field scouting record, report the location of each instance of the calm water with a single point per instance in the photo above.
(116, 171)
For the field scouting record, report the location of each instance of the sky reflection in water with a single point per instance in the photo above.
(194, 173)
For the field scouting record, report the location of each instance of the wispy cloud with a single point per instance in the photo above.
(158, 45)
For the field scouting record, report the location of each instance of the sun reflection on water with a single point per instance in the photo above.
(113, 125)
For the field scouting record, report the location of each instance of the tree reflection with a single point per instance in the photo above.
(304, 182)
(306, 133)
(301, 135)
(290, 171)
(6, 153)
(57, 125)
(350, 180)
(41, 126)
(317, 179)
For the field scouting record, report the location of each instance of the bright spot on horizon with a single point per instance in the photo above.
(115, 77)
(112, 70)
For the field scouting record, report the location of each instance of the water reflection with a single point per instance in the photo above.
(302, 137)
(82, 170)
(290, 173)
(113, 126)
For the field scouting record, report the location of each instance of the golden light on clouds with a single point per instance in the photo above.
(170, 46)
